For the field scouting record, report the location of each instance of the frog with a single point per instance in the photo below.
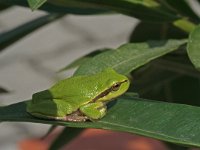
(79, 98)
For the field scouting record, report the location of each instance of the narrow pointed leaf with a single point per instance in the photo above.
(35, 4)
(54, 8)
(129, 56)
(193, 47)
(148, 10)
(9, 37)
(176, 123)
(83, 59)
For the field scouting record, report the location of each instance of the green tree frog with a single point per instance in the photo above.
(79, 98)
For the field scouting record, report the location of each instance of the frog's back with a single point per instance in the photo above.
(88, 86)
(80, 90)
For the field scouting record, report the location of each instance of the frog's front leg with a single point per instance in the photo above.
(94, 110)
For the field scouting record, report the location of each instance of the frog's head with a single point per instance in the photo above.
(116, 85)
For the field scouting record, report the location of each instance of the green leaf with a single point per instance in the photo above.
(55, 9)
(65, 137)
(83, 59)
(9, 37)
(35, 4)
(176, 123)
(193, 47)
(129, 56)
(148, 10)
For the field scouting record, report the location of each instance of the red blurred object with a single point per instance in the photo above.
(32, 144)
(96, 139)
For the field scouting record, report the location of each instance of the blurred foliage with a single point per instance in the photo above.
(162, 59)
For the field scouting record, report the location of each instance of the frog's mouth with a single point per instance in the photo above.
(106, 92)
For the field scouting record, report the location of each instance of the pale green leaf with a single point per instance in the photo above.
(35, 4)
(129, 56)
(193, 47)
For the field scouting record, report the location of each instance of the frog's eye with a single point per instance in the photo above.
(116, 87)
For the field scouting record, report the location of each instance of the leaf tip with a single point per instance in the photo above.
(34, 5)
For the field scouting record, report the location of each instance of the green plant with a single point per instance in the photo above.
(160, 57)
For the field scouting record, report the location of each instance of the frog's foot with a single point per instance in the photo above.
(74, 117)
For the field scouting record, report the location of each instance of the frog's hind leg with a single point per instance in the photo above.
(69, 112)
(57, 110)
(94, 111)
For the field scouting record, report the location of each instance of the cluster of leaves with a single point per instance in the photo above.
(163, 61)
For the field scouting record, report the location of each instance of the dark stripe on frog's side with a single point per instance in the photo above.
(106, 92)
